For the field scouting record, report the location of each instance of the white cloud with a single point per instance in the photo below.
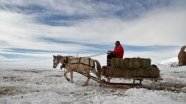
(157, 27)
(21, 31)
(68, 7)
(161, 26)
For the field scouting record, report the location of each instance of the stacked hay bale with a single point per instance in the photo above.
(131, 67)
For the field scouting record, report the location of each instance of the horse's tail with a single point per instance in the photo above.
(98, 69)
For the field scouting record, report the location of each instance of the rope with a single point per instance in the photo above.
(99, 54)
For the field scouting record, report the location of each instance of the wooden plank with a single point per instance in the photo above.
(139, 78)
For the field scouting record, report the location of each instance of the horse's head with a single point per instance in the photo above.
(57, 59)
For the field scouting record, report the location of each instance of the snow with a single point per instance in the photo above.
(48, 86)
(170, 61)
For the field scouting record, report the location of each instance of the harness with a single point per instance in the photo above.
(66, 61)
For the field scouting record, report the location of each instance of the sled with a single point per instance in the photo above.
(136, 69)
(109, 84)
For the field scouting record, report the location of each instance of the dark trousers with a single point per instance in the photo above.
(109, 57)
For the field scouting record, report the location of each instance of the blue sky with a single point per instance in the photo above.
(32, 31)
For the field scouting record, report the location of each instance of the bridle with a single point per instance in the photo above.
(55, 63)
(66, 60)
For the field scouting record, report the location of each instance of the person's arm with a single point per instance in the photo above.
(117, 50)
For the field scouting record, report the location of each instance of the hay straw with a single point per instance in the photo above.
(120, 73)
(131, 63)
(116, 62)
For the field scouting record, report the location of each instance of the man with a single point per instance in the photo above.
(117, 53)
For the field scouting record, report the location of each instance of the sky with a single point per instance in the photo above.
(32, 31)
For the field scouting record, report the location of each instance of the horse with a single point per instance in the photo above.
(78, 64)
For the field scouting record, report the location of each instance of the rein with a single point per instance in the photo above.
(99, 54)
(66, 60)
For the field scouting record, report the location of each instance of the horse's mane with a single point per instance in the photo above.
(59, 57)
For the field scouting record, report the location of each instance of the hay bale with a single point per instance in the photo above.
(129, 63)
(155, 72)
(124, 63)
(138, 73)
(145, 63)
(103, 70)
(135, 63)
(109, 71)
(151, 72)
(116, 62)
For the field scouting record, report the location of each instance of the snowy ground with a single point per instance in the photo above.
(41, 86)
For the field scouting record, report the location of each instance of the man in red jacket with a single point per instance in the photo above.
(117, 53)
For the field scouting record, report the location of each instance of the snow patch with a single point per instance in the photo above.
(169, 61)
(39, 86)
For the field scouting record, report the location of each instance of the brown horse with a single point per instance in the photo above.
(182, 56)
(78, 64)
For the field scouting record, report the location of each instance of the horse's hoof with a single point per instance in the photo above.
(84, 85)
(100, 85)
(68, 79)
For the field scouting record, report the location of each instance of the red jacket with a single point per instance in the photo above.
(118, 51)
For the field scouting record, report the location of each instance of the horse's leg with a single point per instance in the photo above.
(98, 76)
(88, 78)
(65, 74)
(71, 77)
(98, 71)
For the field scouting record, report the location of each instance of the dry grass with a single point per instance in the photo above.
(122, 73)
(131, 67)
(13, 78)
(8, 90)
(131, 63)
